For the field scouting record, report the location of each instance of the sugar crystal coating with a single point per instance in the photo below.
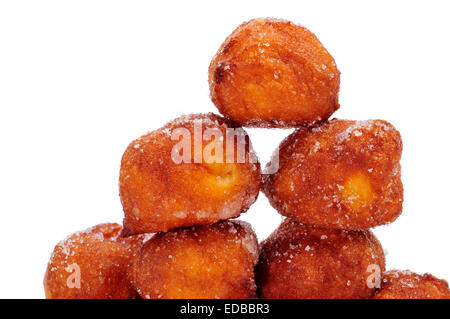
(273, 73)
(162, 189)
(92, 264)
(213, 262)
(404, 284)
(299, 261)
(341, 174)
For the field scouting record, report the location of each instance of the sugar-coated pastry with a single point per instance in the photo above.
(196, 170)
(203, 262)
(342, 174)
(307, 262)
(404, 284)
(92, 264)
(274, 73)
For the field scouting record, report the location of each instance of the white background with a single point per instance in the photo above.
(80, 79)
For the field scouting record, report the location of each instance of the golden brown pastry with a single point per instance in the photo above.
(404, 284)
(212, 262)
(273, 73)
(307, 262)
(177, 177)
(92, 264)
(342, 174)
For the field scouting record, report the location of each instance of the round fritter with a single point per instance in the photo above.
(404, 284)
(307, 262)
(342, 174)
(196, 170)
(203, 262)
(92, 264)
(273, 73)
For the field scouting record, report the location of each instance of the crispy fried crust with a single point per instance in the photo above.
(101, 259)
(159, 193)
(214, 261)
(273, 73)
(342, 174)
(404, 284)
(306, 262)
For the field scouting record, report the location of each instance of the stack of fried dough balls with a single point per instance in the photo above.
(181, 185)
(178, 187)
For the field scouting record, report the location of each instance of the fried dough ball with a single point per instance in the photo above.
(343, 174)
(398, 284)
(203, 262)
(273, 73)
(92, 264)
(166, 183)
(307, 262)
